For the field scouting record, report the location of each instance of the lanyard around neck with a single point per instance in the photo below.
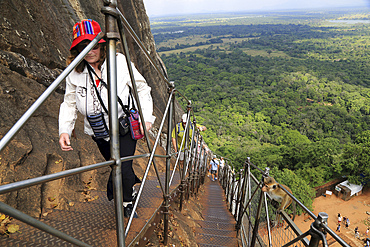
(125, 108)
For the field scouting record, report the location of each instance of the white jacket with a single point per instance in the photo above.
(78, 87)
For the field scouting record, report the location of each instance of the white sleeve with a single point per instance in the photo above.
(68, 109)
(145, 97)
(143, 88)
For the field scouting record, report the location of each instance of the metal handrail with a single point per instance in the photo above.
(311, 214)
(111, 13)
(181, 147)
(150, 161)
(15, 129)
(50, 177)
(137, 40)
(44, 96)
(317, 228)
(325, 226)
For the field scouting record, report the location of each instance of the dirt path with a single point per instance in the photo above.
(355, 209)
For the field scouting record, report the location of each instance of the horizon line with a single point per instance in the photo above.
(256, 11)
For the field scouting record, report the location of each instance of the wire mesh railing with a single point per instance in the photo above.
(191, 170)
(256, 215)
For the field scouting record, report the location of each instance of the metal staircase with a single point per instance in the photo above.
(92, 222)
(218, 226)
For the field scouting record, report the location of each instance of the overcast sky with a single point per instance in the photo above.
(172, 7)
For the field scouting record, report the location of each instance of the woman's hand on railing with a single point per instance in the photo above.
(65, 142)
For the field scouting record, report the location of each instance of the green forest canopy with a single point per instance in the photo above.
(293, 97)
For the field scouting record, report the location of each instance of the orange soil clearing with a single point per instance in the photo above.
(355, 209)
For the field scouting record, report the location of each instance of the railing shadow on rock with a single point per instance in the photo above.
(191, 171)
(252, 210)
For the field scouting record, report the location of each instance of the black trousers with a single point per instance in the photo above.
(129, 179)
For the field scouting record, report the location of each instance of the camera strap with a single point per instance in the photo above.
(125, 108)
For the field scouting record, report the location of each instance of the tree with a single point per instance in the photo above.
(291, 138)
(356, 159)
(364, 138)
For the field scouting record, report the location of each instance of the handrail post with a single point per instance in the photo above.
(259, 209)
(249, 196)
(168, 166)
(120, 22)
(192, 166)
(206, 162)
(205, 167)
(232, 188)
(198, 166)
(188, 168)
(317, 230)
(242, 198)
(238, 198)
(228, 183)
(186, 136)
(257, 220)
(190, 161)
(267, 219)
(222, 176)
(111, 37)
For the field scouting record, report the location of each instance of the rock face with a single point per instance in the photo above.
(35, 38)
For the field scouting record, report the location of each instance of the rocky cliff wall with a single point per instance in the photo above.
(35, 38)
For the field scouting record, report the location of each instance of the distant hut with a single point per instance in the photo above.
(346, 191)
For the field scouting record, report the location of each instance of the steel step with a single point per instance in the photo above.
(218, 226)
(6, 241)
(92, 222)
(216, 240)
(228, 233)
(215, 225)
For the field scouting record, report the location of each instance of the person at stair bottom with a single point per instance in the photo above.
(90, 100)
(214, 168)
(180, 128)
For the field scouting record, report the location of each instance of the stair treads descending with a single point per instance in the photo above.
(218, 226)
(221, 232)
(92, 222)
(34, 237)
(217, 240)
